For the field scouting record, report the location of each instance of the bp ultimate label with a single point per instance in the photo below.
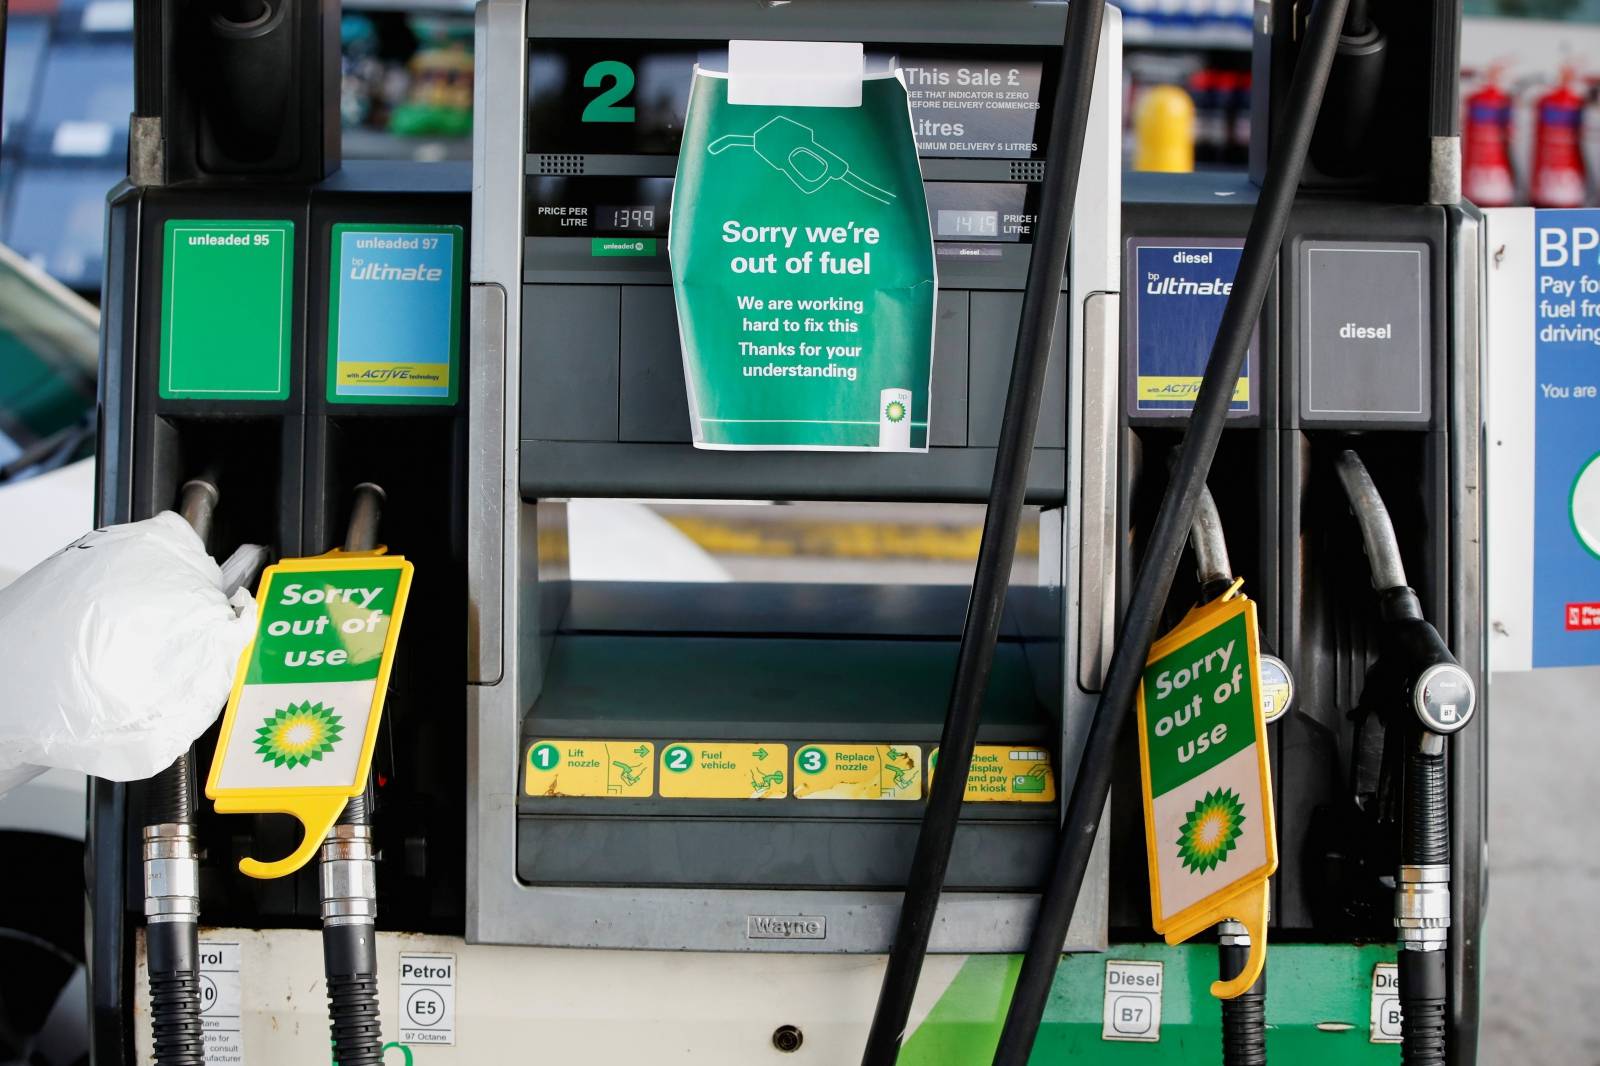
(802, 266)
(394, 314)
(1179, 289)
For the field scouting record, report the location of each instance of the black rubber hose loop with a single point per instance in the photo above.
(353, 1013)
(1092, 782)
(997, 547)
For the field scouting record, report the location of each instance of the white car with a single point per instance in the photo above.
(48, 356)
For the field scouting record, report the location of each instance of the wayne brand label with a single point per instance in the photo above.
(802, 265)
(394, 317)
(1203, 756)
(1179, 290)
(299, 728)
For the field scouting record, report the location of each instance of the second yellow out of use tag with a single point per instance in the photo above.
(1207, 785)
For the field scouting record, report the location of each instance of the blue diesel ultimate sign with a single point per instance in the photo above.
(1178, 290)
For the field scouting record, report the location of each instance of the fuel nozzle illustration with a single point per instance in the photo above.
(791, 147)
(1244, 1017)
(1422, 695)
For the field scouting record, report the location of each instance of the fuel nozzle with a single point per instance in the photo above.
(1423, 696)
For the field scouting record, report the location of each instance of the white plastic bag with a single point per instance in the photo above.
(116, 653)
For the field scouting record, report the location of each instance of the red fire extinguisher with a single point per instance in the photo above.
(1558, 172)
(1486, 178)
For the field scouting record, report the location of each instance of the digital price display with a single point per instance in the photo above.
(639, 218)
(977, 224)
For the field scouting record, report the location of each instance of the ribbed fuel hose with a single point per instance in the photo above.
(349, 881)
(172, 873)
(1092, 784)
(997, 548)
(1244, 1018)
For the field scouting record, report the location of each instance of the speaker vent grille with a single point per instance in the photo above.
(1027, 170)
(549, 163)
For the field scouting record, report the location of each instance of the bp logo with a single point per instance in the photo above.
(1209, 832)
(297, 734)
(894, 411)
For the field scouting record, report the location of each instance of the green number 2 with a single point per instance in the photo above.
(606, 107)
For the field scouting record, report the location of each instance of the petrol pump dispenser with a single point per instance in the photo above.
(624, 796)
(674, 814)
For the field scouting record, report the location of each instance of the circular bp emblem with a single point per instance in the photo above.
(297, 734)
(811, 760)
(1210, 830)
(677, 759)
(1585, 506)
(894, 411)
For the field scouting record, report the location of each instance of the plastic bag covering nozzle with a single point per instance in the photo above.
(116, 653)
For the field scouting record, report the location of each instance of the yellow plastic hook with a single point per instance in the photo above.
(1249, 909)
(315, 813)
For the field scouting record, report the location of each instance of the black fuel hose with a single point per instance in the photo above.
(1244, 1018)
(980, 630)
(348, 880)
(170, 855)
(1092, 784)
(1429, 698)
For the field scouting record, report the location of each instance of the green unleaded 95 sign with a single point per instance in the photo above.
(227, 309)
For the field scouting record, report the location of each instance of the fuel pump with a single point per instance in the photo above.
(348, 877)
(1423, 697)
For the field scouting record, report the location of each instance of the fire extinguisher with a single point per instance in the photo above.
(1486, 179)
(1558, 171)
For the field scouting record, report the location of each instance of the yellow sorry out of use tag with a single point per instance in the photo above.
(1207, 785)
(302, 719)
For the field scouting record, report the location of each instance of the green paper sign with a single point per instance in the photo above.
(803, 269)
(227, 309)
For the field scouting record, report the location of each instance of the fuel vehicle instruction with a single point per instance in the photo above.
(802, 265)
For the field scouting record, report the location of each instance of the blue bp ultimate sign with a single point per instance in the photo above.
(394, 314)
(1566, 476)
(1179, 288)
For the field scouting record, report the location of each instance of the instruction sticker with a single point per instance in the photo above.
(1004, 774)
(802, 266)
(1180, 288)
(227, 309)
(299, 728)
(427, 998)
(1203, 761)
(858, 772)
(622, 768)
(394, 314)
(220, 1001)
(1132, 1001)
(699, 769)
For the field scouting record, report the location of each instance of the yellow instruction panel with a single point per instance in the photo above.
(1006, 774)
(709, 769)
(619, 768)
(858, 772)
